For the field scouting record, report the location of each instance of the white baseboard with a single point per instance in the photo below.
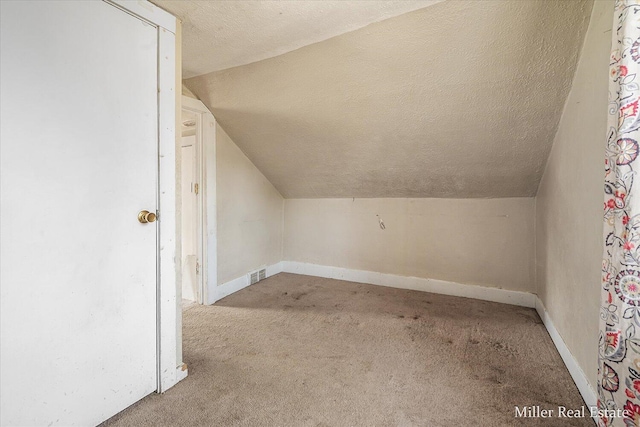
(242, 282)
(587, 392)
(524, 299)
(504, 296)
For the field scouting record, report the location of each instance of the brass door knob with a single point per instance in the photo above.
(146, 216)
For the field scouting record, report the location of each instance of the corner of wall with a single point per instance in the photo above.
(568, 207)
(250, 209)
(535, 246)
(566, 101)
(187, 92)
(283, 230)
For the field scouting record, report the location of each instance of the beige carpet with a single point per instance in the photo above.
(304, 351)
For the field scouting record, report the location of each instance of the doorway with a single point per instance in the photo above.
(191, 221)
(197, 186)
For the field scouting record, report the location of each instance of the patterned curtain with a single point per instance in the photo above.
(619, 349)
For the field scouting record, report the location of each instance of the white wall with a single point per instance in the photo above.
(550, 245)
(487, 242)
(250, 214)
(569, 201)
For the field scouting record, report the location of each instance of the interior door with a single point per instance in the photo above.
(78, 163)
(190, 282)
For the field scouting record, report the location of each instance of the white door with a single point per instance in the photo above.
(78, 162)
(190, 283)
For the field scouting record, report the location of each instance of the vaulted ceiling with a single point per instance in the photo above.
(458, 99)
(222, 34)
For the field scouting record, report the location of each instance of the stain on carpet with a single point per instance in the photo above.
(305, 351)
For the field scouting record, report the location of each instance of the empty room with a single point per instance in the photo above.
(319, 213)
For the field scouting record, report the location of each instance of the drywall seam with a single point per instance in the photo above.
(585, 388)
(524, 299)
(242, 282)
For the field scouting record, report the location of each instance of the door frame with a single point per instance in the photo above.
(206, 208)
(200, 211)
(168, 368)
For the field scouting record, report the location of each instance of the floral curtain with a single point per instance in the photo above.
(619, 349)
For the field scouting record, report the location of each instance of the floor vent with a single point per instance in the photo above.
(256, 276)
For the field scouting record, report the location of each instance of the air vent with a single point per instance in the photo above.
(256, 276)
(253, 278)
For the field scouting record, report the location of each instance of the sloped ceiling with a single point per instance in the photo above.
(227, 33)
(460, 99)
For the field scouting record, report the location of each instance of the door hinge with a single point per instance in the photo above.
(197, 267)
(196, 188)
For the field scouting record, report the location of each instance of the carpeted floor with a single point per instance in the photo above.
(304, 351)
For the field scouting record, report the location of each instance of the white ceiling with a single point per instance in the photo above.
(223, 34)
(460, 99)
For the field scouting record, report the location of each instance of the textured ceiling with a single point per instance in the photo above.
(460, 99)
(224, 34)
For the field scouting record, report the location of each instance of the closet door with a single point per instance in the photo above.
(79, 162)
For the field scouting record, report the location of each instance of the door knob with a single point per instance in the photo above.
(146, 216)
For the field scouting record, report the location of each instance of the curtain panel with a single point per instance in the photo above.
(619, 346)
